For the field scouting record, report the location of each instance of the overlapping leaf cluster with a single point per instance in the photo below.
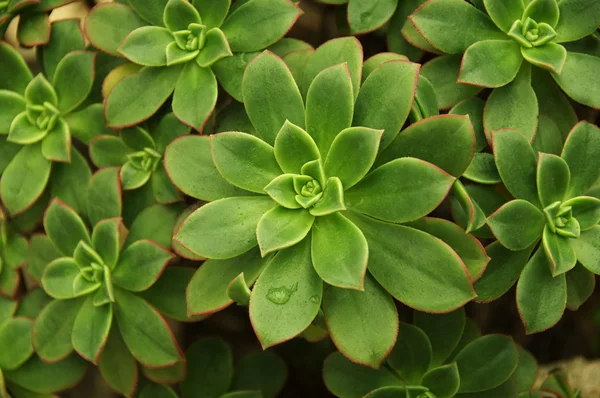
(183, 157)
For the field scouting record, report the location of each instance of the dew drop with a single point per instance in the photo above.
(315, 299)
(282, 294)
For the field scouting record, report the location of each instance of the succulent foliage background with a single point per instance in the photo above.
(261, 198)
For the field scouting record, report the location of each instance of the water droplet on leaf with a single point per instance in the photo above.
(282, 294)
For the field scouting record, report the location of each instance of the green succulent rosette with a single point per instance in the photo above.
(519, 48)
(194, 45)
(41, 116)
(438, 356)
(552, 216)
(97, 282)
(317, 193)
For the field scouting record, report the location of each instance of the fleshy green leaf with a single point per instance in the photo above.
(116, 18)
(244, 31)
(504, 13)
(443, 72)
(578, 18)
(24, 179)
(215, 48)
(586, 210)
(15, 337)
(137, 97)
(548, 138)
(145, 332)
(244, 160)
(550, 56)
(207, 291)
(23, 132)
(400, 191)
(189, 164)
(517, 224)
(490, 63)
(73, 79)
(516, 163)
(12, 104)
(552, 179)
(352, 154)
(411, 355)
(365, 17)
(339, 251)
(280, 228)
(203, 231)
(392, 87)
(363, 325)
(230, 72)
(147, 46)
(286, 297)
(140, 265)
(333, 52)
(271, 96)
(91, 328)
(486, 363)
(53, 328)
(541, 298)
(106, 240)
(179, 14)
(192, 106)
(447, 141)
(64, 227)
(65, 36)
(502, 271)
(213, 12)
(329, 105)
(210, 368)
(293, 148)
(552, 101)
(581, 155)
(150, 10)
(587, 248)
(513, 106)
(559, 252)
(13, 65)
(453, 25)
(104, 195)
(59, 278)
(466, 246)
(57, 144)
(117, 366)
(576, 77)
(399, 255)
(263, 370)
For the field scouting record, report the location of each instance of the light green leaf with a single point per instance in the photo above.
(513, 106)
(444, 381)
(581, 155)
(215, 48)
(213, 12)
(137, 97)
(256, 24)
(559, 252)
(13, 64)
(550, 56)
(286, 297)
(385, 99)
(179, 14)
(517, 224)
(580, 286)
(352, 154)
(12, 104)
(399, 255)
(15, 337)
(117, 366)
(552, 178)
(280, 228)
(146, 334)
(236, 218)
(271, 96)
(413, 188)
(541, 298)
(453, 25)
(90, 330)
(147, 46)
(104, 195)
(117, 19)
(490, 63)
(294, 147)
(504, 13)
(362, 324)
(587, 248)
(365, 17)
(73, 79)
(56, 146)
(517, 164)
(191, 105)
(24, 179)
(244, 160)
(329, 105)
(578, 18)
(53, 328)
(150, 10)
(64, 227)
(339, 251)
